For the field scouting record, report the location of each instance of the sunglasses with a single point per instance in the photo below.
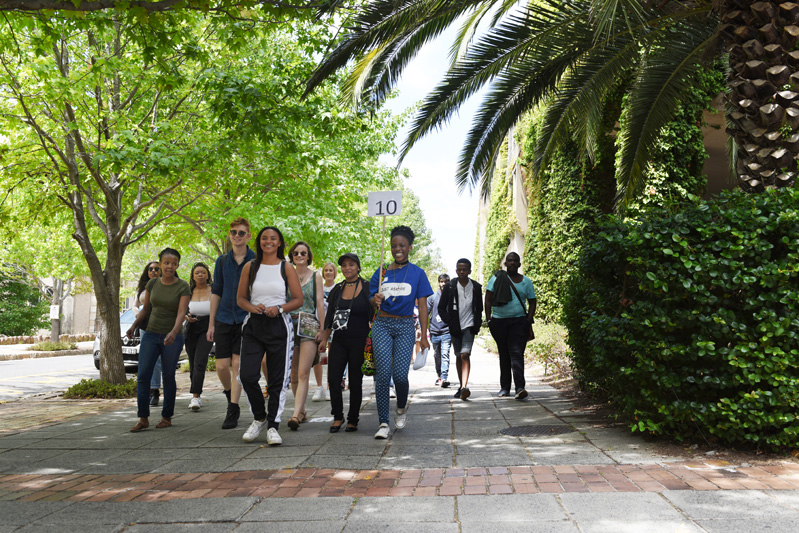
(154, 269)
(302, 253)
(239, 233)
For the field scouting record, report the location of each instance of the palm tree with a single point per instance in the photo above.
(569, 55)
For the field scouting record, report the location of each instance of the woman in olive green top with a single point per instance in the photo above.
(166, 299)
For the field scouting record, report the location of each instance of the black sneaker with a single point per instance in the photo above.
(521, 394)
(232, 417)
(503, 393)
(155, 395)
(444, 384)
(465, 393)
(458, 392)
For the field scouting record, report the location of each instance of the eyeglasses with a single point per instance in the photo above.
(154, 269)
(302, 253)
(240, 233)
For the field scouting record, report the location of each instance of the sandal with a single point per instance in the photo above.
(294, 423)
(164, 423)
(303, 417)
(140, 426)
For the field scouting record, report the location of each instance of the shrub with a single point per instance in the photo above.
(689, 321)
(210, 367)
(48, 346)
(96, 388)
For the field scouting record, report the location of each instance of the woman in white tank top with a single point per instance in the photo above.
(195, 330)
(267, 330)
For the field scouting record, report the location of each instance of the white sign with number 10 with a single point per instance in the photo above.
(384, 203)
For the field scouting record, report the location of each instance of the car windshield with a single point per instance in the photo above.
(128, 317)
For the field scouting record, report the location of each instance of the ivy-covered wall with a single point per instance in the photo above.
(566, 199)
(500, 222)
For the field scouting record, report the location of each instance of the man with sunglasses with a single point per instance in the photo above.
(227, 317)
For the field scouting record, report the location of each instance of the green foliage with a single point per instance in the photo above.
(549, 348)
(49, 346)
(22, 310)
(97, 388)
(501, 222)
(676, 169)
(209, 367)
(688, 321)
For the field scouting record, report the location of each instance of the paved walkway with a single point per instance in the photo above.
(450, 469)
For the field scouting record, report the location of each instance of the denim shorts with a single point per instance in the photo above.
(462, 343)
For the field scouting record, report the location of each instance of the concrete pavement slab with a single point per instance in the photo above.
(182, 528)
(309, 509)
(618, 507)
(360, 462)
(411, 462)
(510, 508)
(22, 513)
(418, 527)
(95, 513)
(538, 526)
(773, 525)
(267, 463)
(73, 528)
(387, 511)
(199, 510)
(785, 498)
(639, 526)
(739, 504)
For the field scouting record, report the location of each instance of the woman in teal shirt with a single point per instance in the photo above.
(510, 308)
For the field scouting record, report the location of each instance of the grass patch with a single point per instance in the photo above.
(48, 346)
(96, 388)
(210, 367)
(549, 347)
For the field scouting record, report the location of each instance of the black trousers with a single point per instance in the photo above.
(346, 350)
(510, 334)
(261, 335)
(197, 348)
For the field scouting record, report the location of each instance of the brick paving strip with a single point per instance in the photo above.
(310, 482)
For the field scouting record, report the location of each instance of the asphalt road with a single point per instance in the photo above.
(25, 377)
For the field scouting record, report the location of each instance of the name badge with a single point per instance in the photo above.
(396, 289)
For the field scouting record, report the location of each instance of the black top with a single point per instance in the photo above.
(360, 311)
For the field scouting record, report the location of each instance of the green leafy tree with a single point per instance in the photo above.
(22, 309)
(570, 54)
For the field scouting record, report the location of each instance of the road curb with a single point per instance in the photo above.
(41, 355)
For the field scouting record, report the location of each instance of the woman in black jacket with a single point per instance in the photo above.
(349, 313)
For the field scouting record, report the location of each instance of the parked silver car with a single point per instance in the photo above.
(130, 347)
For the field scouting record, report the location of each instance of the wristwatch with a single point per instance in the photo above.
(280, 309)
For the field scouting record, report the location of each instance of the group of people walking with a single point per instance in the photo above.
(266, 313)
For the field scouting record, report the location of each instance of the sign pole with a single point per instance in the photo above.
(382, 252)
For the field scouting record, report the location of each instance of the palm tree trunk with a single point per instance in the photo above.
(763, 103)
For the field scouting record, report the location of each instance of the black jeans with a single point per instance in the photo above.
(346, 350)
(510, 334)
(197, 348)
(271, 336)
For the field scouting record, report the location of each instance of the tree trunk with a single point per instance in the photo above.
(764, 92)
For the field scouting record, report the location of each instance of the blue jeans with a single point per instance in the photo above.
(152, 347)
(441, 344)
(155, 382)
(392, 342)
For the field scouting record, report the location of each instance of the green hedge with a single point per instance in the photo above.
(689, 321)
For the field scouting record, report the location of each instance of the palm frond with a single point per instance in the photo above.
(543, 54)
(664, 76)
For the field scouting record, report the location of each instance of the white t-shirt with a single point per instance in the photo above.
(268, 288)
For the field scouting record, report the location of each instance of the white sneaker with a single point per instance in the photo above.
(392, 393)
(254, 430)
(319, 395)
(327, 395)
(195, 404)
(382, 432)
(401, 418)
(273, 437)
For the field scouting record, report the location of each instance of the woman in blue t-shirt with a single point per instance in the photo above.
(404, 286)
(510, 308)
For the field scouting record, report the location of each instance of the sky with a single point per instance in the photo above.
(452, 218)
